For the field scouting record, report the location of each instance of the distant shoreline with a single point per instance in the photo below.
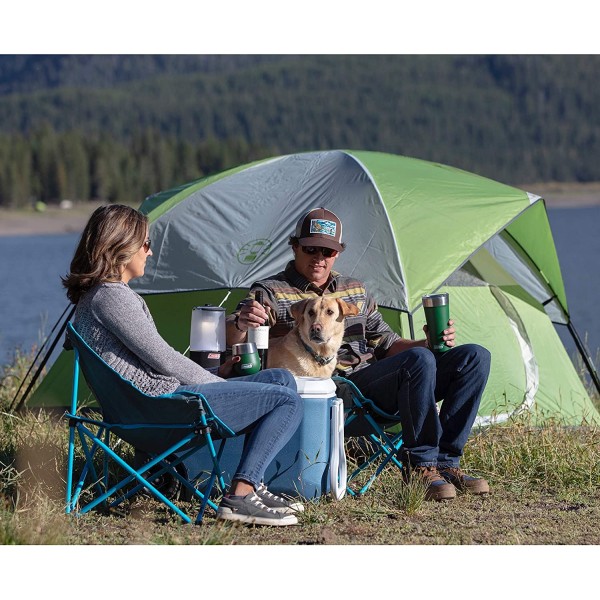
(55, 220)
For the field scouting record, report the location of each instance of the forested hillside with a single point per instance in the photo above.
(121, 127)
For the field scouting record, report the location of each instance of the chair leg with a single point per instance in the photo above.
(89, 462)
(170, 467)
(70, 460)
(388, 447)
(73, 492)
(107, 442)
(133, 475)
(216, 474)
(92, 442)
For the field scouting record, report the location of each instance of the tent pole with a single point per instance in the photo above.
(411, 326)
(225, 299)
(40, 368)
(585, 355)
(34, 362)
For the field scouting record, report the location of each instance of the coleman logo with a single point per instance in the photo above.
(254, 251)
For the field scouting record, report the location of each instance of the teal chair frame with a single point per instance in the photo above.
(369, 421)
(168, 429)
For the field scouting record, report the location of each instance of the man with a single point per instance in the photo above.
(401, 376)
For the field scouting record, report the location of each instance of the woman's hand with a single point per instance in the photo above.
(226, 369)
(449, 334)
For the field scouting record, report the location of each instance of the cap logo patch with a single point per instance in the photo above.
(323, 226)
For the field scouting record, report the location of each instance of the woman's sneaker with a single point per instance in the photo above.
(251, 510)
(282, 505)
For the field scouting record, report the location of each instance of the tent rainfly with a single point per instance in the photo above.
(412, 227)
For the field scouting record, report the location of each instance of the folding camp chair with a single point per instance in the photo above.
(168, 429)
(364, 419)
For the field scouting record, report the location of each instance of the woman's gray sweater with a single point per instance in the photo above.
(117, 324)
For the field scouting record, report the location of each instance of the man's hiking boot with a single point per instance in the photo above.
(282, 505)
(251, 510)
(463, 482)
(437, 487)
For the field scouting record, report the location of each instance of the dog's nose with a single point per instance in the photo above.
(316, 328)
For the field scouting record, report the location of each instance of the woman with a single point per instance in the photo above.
(117, 324)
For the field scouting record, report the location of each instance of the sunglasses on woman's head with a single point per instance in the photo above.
(147, 245)
(326, 252)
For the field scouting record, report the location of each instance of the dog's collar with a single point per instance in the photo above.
(322, 360)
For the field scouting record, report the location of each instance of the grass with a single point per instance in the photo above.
(545, 490)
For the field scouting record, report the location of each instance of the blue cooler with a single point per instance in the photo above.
(312, 463)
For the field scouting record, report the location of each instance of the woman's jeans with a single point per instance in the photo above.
(410, 384)
(265, 406)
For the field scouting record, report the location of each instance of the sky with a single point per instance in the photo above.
(311, 26)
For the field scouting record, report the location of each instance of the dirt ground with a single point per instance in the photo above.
(501, 519)
(505, 518)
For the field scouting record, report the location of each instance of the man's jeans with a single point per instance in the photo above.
(266, 406)
(410, 384)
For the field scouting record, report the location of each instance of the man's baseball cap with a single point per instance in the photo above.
(320, 227)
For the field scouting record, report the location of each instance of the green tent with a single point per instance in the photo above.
(412, 227)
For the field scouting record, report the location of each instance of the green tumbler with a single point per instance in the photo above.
(437, 314)
(249, 360)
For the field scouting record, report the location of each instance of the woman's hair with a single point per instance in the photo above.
(111, 237)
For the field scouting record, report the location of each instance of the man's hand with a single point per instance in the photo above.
(252, 314)
(449, 334)
(402, 344)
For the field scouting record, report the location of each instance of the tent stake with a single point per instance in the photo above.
(584, 354)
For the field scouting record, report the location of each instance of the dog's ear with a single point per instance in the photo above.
(346, 309)
(297, 310)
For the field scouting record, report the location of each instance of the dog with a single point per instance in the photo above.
(310, 348)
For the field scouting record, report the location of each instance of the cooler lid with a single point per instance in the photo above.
(316, 387)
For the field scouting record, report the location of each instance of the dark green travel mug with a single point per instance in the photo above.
(249, 359)
(437, 314)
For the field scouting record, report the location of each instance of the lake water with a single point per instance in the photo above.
(575, 232)
(31, 295)
(32, 298)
